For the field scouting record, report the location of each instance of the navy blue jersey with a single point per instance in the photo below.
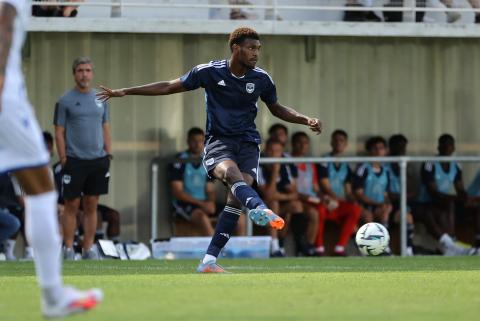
(231, 101)
(284, 179)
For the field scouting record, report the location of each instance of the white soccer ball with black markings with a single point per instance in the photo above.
(372, 239)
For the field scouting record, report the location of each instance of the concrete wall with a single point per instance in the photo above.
(420, 87)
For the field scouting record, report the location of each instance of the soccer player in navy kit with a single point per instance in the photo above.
(232, 88)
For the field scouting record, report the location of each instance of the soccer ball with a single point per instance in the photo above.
(372, 239)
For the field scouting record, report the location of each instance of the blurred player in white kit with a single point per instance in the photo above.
(23, 152)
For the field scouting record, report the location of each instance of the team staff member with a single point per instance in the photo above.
(82, 134)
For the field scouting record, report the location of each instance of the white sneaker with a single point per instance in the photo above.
(409, 251)
(10, 257)
(73, 301)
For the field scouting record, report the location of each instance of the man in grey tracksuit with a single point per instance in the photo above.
(82, 134)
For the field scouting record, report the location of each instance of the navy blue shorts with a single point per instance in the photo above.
(245, 154)
(184, 209)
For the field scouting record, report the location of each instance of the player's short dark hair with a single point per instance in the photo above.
(273, 140)
(81, 61)
(397, 140)
(239, 35)
(372, 141)
(276, 127)
(47, 138)
(446, 139)
(340, 132)
(298, 135)
(195, 131)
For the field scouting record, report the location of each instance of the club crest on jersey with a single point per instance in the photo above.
(250, 87)
(67, 179)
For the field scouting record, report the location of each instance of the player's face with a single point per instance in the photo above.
(301, 146)
(280, 135)
(196, 144)
(274, 150)
(339, 143)
(399, 150)
(379, 150)
(248, 52)
(83, 75)
(446, 149)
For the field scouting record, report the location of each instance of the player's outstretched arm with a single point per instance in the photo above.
(154, 89)
(7, 18)
(292, 116)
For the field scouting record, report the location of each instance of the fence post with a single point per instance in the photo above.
(409, 16)
(403, 207)
(154, 200)
(116, 10)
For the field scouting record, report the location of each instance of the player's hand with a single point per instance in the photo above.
(315, 125)
(108, 93)
(208, 207)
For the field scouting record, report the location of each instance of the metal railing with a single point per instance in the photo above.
(409, 7)
(402, 161)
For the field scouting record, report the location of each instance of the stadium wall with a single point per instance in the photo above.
(421, 87)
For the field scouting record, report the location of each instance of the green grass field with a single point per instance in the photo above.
(421, 288)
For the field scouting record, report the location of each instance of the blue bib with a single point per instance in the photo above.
(394, 180)
(337, 178)
(376, 186)
(444, 182)
(194, 180)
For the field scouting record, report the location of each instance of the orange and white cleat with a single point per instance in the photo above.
(265, 217)
(73, 301)
(210, 267)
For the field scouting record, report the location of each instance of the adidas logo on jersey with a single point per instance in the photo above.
(221, 83)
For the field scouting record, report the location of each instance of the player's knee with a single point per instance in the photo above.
(198, 216)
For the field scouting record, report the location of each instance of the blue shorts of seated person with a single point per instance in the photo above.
(245, 153)
(184, 209)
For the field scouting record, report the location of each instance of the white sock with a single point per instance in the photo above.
(209, 258)
(320, 249)
(275, 245)
(339, 248)
(41, 227)
(10, 247)
(28, 251)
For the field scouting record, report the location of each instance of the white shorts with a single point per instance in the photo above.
(21, 140)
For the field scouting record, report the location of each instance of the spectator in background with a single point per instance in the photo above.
(398, 147)
(371, 184)
(339, 203)
(475, 5)
(278, 187)
(105, 214)
(10, 212)
(367, 16)
(55, 11)
(308, 192)
(194, 195)
(9, 225)
(82, 134)
(279, 132)
(442, 186)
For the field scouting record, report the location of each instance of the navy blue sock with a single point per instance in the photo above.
(410, 232)
(247, 195)
(225, 226)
